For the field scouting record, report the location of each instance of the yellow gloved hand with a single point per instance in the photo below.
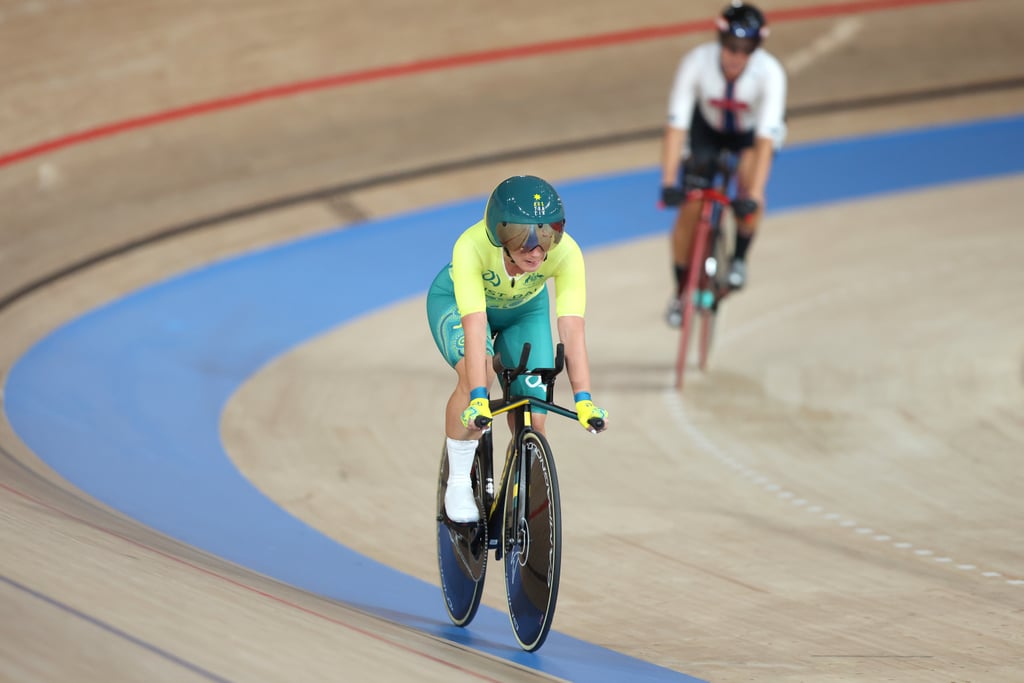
(587, 411)
(479, 406)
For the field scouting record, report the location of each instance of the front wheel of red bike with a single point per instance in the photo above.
(716, 287)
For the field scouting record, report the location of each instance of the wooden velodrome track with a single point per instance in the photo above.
(838, 500)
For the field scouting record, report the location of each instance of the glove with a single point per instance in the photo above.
(587, 411)
(478, 407)
(671, 195)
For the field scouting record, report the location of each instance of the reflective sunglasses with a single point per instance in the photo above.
(739, 46)
(529, 236)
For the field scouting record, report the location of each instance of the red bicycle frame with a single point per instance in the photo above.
(698, 277)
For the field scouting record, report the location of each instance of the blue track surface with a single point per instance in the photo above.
(125, 402)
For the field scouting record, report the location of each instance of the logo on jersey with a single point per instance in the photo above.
(532, 277)
(534, 382)
(492, 278)
(729, 105)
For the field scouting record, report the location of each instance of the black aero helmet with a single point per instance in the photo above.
(743, 21)
(524, 212)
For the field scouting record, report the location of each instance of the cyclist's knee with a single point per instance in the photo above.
(539, 420)
(745, 210)
(699, 170)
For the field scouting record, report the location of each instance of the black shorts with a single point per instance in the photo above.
(704, 138)
(706, 144)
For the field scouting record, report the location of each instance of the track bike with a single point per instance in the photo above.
(707, 282)
(520, 516)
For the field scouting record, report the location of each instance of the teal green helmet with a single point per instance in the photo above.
(524, 212)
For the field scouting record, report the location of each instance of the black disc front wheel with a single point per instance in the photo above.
(532, 541)
(461, 552)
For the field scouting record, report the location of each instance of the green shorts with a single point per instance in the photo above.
(507, 330)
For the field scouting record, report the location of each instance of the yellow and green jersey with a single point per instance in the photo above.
(480, 281)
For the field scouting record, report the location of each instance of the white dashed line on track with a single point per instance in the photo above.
(675, 406)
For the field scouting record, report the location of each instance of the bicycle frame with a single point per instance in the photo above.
(524, 512)
(715, 202)
(522, 412)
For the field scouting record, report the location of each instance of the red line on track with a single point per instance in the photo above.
(244, 586)
(439, 64)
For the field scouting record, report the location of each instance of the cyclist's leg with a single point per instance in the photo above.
(697, 171)
(682, 242)
(446, 328)
(514, 327)
(746, 226)
(461, 443)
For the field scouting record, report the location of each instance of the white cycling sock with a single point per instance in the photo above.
(460, 460)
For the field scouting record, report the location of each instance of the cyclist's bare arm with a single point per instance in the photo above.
(760, 170)
(474, 373)
(572, 333)
(671, 152)
(474, 326)
(682, 99)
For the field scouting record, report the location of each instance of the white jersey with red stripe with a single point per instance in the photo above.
(756, 101)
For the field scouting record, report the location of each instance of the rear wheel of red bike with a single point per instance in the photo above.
(461, 551)
(532, 541)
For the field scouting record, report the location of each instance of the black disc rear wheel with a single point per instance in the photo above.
(461, 552)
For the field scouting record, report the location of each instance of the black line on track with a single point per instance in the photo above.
(799, 111)
(324, 193)
(113, 630)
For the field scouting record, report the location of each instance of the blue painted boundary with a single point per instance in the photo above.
(125, 401)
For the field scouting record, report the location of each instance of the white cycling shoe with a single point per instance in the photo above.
(460, 504)
(737, 274)
(674, 313)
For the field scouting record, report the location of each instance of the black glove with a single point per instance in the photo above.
(672, 196)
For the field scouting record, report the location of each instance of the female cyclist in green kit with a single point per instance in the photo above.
(492, 298)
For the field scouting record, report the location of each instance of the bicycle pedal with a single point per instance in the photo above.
(458, 526)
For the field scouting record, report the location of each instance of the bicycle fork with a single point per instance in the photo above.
(512, 483)
(520, 483)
